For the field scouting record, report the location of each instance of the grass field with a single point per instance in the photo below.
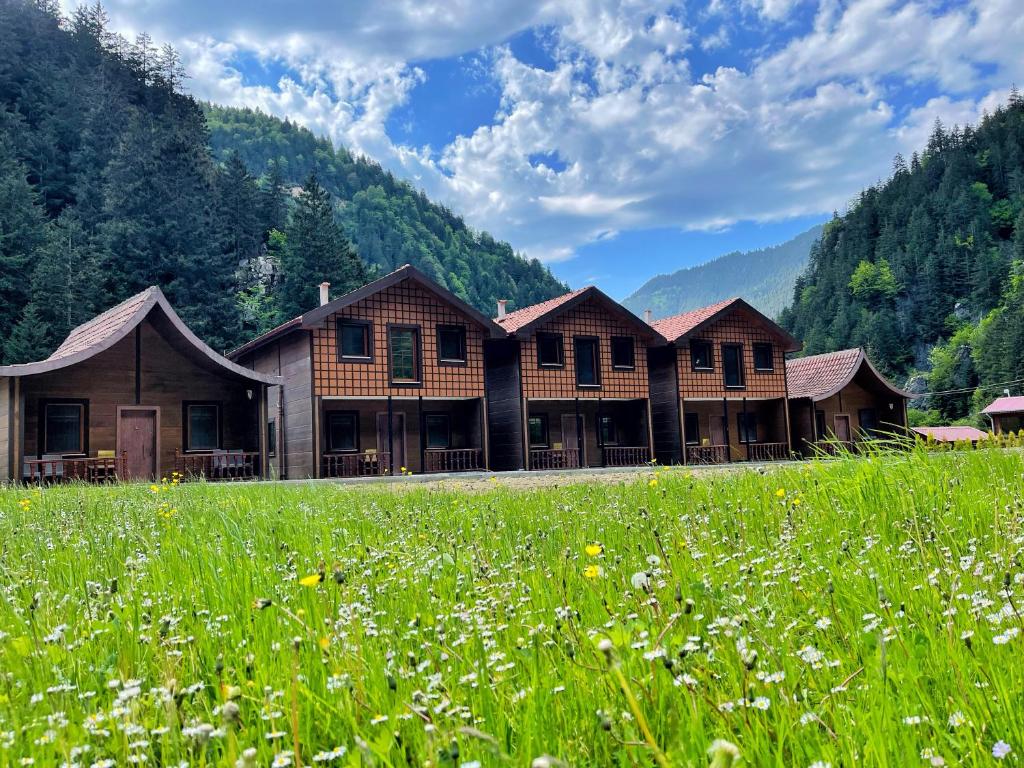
(856, 612)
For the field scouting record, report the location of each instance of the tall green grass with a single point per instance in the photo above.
(861, 611)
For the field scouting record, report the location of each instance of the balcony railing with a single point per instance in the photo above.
(555, 458)
(452, 460)
(626, 456)
(356, 464)
(105, 469)
(767, 451)
(218, 466)
(707, 454)
(834, 447)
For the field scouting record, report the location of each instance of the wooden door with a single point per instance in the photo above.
(398, 458)
(572, 428)
(138, 431)
(842, 428)
(717, 430)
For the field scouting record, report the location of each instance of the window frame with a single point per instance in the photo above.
(329, 417)
(186, 425)
(739, 359)
(452, 362)
(632, 353)
(868, 433)
(417, 354)
(762, 345)
(744, 430)
(543, 419)
(710, 368)
(694, 437)
(556, 337)
(596, 342)
(271, 438)
(448, 430)
(610, 419)
(367, 326)
(83, 428)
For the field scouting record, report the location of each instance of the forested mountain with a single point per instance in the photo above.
(109, 183)
(926, 270)
(764, 277)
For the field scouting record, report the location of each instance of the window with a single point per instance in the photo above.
(272, 438)
(868, 419)
(451, 344)
(538, 431)
(354, 339)
(700, 355)
(691, 427)
(439, 430)
(203, 422)
(342, 431)
(623, 352)
(732, 364)
(64, 428)
(587, 373)
(746, 424)
(549, 350)
(405, 355)
(609, 434)
(764, 358)
(819, 424)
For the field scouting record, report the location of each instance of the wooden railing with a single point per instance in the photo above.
(626, 456)
(239, 465)
(106, 469)
(555, 458)
(767, 451)
(833, 447)
(355, 464)
(452, 460)
(707, 454)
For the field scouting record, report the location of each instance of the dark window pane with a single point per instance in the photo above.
(700, 354)
(538, 432)
(355, 339)
(586, 362)
(623, 354)
(64, 428)
(819, 424)
(868, 421)
(692, 427)
(549, 349)
(609, 434)
(732, 362)
(203, 431)
(342, 432)
(404, 354)
(451, 343)
(272, 438)
(763, 358)
(438, 431)
(747, 425)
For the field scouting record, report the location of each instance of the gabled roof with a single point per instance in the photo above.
(522, 321)
(950, 434)
(1005, 405)
(314, 317)
(678, 328)
(819, 377)
(107, 329)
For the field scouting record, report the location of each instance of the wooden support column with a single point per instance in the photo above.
(423, 433)
(485, 436)
(526, 432)
(725, 429)
(600, 432)
(391, 437)
(318, 407)
(682, 430)
(788, 427)
(261, 415)
(745, 432)
(650, 430)
(579, 433)
(138, 365)
(16, 437)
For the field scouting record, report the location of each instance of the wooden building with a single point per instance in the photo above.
(718, 389)
(568, 386)
(1006, 414)
(132, 394)
(839, 398)
(385, 379)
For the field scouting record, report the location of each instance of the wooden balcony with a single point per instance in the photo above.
(355, 464)
(452, 459)
(216, 466)
(707, 454)
(60, 469)
(626, 456)
(767, 451)
(554, 458)
(833, 447)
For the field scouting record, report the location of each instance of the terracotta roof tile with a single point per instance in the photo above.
(679, 325)
(1005, 405)
(513, 321)
(950, 434)
(818, 375)
(101, 327)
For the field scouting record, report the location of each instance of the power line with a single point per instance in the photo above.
(964, 390)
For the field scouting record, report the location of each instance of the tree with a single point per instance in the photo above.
(29, 338)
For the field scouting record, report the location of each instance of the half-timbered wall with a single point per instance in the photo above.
(403, 304)
(586, 319)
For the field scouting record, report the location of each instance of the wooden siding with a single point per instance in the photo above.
(664, 405)
(630, 418)
(849, 401)
(268, 360)
(403, 304)
(586, 319)
(297, 446)
(770, 416)
(736, 327)
(6, 416)
(504, 405)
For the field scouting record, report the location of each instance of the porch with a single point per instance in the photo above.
(367, 437)
(725, 430)
(568, 434)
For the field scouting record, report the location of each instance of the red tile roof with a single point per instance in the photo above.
(818, 376)
(950, 434)
(1005, 405)
(679, 325)
(513, 321)
(103, 326)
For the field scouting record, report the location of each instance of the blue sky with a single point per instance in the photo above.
(611, 140)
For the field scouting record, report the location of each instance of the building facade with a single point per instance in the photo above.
(1006, 414)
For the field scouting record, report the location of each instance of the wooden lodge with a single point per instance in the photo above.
(718, 388)
(839, 399)
(387, 379)
(132, 394)
(1006, 414)
(568, 386)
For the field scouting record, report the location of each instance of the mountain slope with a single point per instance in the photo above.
(764, 277)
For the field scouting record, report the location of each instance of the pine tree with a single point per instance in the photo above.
(29, 339)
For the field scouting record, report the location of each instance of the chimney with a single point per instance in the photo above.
(501, 307)
(324, 297)
(648, 316)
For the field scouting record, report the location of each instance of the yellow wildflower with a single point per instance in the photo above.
(325, 643)
(594, 549)
(780, 493)
(653, 482)
(312, 580)
(592, 571)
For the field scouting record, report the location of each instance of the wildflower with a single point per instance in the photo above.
(653, 482)
(282, 760)
(593, 550)
(956, 719)
(781, 493)
(592, 571)
(640, 580)
(312, 580)
(723, 753)
(325, 643)
(762, 703)
(379, 719)
(248, 758)
(1000, 750)
(820, 764)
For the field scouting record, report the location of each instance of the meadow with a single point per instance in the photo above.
(860, 611)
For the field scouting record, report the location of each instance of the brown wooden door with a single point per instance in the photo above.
(398, 459)
(842, 428)
(717, 430)
(137, 430)
(571, 430)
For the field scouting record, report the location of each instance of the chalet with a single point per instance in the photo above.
(718, 389)
(1006, 414)
(839, 398)
(132, 394)
(568, 386)
(386, 379)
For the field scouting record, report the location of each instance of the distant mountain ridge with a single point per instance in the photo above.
(764, 277)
